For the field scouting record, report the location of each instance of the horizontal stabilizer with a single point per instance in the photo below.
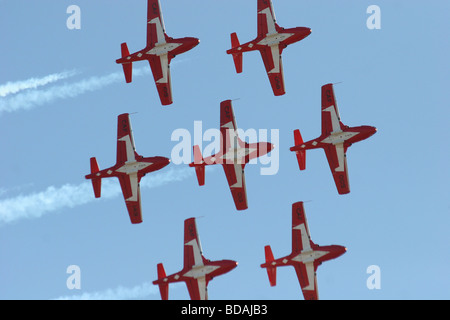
(96, 182)
(271, 271)
(127, 66)
(200, 172)
(198, 158)
(163, 286)
(298, 137)
(199, 165)
(301, 154)
(237, 57)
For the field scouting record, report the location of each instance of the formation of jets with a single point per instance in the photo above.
(234, 154)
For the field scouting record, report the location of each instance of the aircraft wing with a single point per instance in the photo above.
(128, 182)
(331, 121)
(274, 67)
(160, 66)
(266, 18)
(236, 181)
(337, 161)
(229, 141)
(300, 229)
(192, 246)
(197, 288)
(227, 120)
(155, 24)
(132, 195)
(125, 141)
(193, 258)
(306, 274)
(228, 128)
(301, 241)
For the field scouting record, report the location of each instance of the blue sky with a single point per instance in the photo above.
(395, 217)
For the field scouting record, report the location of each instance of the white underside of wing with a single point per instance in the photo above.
(276, 58)
(304, 235)
(159, 30)
(335, 120)
(311, 275)
(201, 282)
(165, 69)
(341, 157)
(129, 147)
(198, 261)
(239, 175)
(270, 20)
(134, 187)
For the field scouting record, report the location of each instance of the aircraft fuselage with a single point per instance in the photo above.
(348, 136)
(141, 167)
(171, 47)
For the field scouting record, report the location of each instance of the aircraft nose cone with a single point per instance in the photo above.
(306, 32)
(163, 161)
(232, 264)
(194, 42)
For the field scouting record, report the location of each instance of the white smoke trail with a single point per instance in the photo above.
(53, 199)
(33, 83)
(120, 293)
(33, 98)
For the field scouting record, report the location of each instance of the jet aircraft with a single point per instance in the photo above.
(233, 156)
(270, 41)
(306, 256)
(197, 270)
(159, 51)
(335, 139)
(130, 167)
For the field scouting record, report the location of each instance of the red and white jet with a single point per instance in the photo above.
(306, 256)
(130, 167)
(271, 41)
(160, 50)
(197, 270)
(335, 139)
(233, 156)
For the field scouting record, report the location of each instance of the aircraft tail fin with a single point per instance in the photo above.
(96, 182)
(199, 165)
(163, 286)
(301, 154)
(127, 66)
(237, 57)
(271, 270)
